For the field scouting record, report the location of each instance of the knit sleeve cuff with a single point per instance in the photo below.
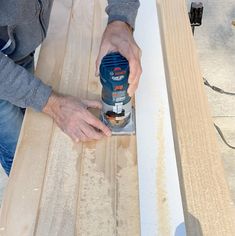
(41, 96)
(125, 12)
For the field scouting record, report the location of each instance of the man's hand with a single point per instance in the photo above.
(74, 119)
(118, 36)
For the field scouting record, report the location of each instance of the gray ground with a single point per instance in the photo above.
(215, 42)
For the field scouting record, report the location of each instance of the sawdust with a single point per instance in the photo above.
(108, 205)
(128, 204)
(95, 212)
(84, 197)
(162, 199)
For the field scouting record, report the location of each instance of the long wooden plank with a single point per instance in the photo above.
(105, 172)
(161, 208)
(207, 203)
(85, 189)
(112, 167)
(96, 174)
(59, 198)
(21, 200)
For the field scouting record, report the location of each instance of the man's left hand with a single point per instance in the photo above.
(118, 37)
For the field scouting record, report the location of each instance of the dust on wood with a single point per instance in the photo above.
(162, 198)
(127, 185)
(108, 201)
(95, 213)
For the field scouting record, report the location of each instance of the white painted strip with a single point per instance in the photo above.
(160, 199)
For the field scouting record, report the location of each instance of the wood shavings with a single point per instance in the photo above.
(95, 213)
(128, 204)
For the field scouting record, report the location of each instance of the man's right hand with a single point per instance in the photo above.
(72, 116)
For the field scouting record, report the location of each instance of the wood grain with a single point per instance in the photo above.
(22, 197)
(81, 189)
(87, 173)
(207, 201)
(61, 188)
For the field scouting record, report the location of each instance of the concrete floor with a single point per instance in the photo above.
(215, 41)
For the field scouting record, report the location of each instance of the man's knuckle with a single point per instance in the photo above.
(97, 134)
(77, 140)
(93, 122)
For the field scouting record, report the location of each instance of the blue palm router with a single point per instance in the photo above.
(117, 110)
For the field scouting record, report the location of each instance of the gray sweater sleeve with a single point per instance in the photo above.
(20, 87)
(123, 10)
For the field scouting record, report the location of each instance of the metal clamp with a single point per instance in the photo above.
(195, 14)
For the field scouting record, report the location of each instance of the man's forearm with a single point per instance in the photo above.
(123, 10)
(20, 87)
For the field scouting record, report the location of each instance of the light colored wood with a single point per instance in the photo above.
(85, 189)
(62, 178)
(22, 196)
(161, 210)
(59, 188)
(92, 202)
(207, 201)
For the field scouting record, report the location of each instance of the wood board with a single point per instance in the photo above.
(207, 200)
(56, 187)
(85, 189)
(23, 192)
